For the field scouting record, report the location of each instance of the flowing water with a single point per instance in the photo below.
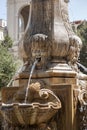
(32, 70)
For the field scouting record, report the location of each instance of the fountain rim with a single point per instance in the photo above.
(56, 105)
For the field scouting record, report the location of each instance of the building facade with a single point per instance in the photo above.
(17, 17)
(2, 29)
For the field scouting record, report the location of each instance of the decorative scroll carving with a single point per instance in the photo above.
(82, 108)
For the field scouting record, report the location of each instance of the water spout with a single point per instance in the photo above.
(32, 70)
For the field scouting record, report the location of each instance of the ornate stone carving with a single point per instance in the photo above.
(53, 35)
(75, 47)
(41, 106)
(40, 49)
(82, 109)
(57, 89)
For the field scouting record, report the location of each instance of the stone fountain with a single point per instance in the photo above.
(49, 92)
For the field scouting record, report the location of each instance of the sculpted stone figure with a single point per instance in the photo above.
(74, 51)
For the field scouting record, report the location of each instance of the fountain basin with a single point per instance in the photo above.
(29, 114)
(39, 110)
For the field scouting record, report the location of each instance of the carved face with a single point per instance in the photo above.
(40, 48)
(75, 47)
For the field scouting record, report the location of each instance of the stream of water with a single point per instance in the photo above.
(32, 70)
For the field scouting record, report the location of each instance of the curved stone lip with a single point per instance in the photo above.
(56, 105)
(31, 111)
(81, 97)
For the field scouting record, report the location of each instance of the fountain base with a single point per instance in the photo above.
(61, 80)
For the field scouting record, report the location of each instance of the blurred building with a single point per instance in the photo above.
(3, 29)
(17, 19)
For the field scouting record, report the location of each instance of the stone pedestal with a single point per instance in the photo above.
(57, 74)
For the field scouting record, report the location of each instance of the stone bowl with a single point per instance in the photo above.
(31, 113)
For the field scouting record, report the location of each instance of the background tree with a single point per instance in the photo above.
(7, 42)
(82, 32)
(7, 65)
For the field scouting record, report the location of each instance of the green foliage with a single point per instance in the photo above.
(7, 42)
(7, 66)
(83, 55)
(82, 33)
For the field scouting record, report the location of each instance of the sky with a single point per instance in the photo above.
(77, 10)
(3, 8)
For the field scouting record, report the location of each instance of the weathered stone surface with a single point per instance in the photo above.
(50, 35)
(50, 88)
